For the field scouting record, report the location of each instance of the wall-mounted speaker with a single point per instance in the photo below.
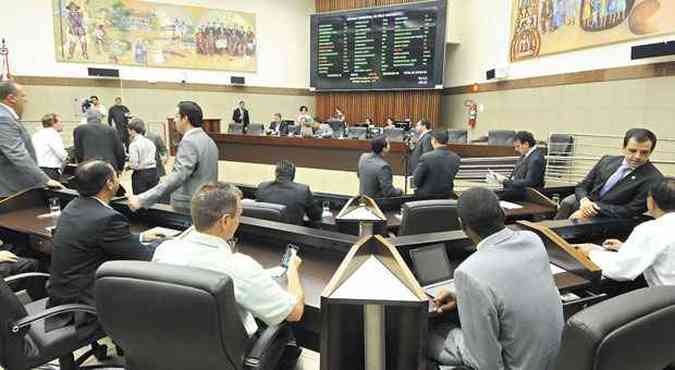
(103, 72)
(237, 80)
(659, 49)
(498, 73)
(490, 75)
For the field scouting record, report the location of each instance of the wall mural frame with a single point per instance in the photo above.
(149, 34)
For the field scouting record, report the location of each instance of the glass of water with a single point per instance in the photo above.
(54, 205)
(326, 208)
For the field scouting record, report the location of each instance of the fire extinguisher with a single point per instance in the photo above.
(472, 109)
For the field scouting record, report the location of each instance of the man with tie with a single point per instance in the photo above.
(422, 145)
(278, 127)
(240, 115)
(529, 170)
(618, 185)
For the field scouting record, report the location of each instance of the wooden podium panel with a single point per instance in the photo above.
(211, 126)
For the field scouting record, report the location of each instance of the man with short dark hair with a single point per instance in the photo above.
(618, 185)
(49, 149)
(94, 140)
(436, 170)
(141, 158)
(422, 144)
(240, 115)
(529, 170)
(277, 126)
(297, 198)
(118, 117)
(216, 208)
(374, 172)
(650, 248)
(88, 233)
(501, 326)
(196, 163)
(18, 163)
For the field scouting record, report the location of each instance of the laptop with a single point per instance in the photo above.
(433, 269)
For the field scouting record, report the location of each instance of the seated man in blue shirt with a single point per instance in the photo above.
(216, 208)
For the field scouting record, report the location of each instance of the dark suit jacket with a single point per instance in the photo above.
(422, 146)
(436, 172)
(283, 127)
(159, 152)
(376, 177)
(97, 141)
(240, 118)
(88, 234)
(528, 172)
(627, 198)
(297, 198)
(117, 114)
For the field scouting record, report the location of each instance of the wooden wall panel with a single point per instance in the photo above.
(379, 105)
(357, 106)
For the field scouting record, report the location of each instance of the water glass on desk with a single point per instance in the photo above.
(54, 206)
(326, 210)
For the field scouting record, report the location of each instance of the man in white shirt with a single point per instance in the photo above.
(650, 248)
(216, 208)
(141, 158)
(49, 149)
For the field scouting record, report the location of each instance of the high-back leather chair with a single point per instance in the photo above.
(501, 137)
(428, 216)
(457, 136)
(24, 343)
(256, 129)
(169, 317)
(632, 331)
(265, 211)
(394, 134)
(235, 128)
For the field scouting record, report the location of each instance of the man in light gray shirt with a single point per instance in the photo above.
(509, 307)
(141, 158)
(196, 163)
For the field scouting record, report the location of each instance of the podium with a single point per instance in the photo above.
(373, 312)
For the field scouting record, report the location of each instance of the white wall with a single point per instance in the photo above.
(282, 29)
(483, 32)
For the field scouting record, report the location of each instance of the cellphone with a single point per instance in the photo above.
(291, 251)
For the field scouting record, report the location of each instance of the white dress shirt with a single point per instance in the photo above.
(649, 250)
(49, 148)
(142, 153)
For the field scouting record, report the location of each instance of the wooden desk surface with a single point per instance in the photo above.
(33, 221)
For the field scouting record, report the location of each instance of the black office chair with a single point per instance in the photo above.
(265, 211)
(501, 137)
(24, 344)
(428, 216)
(457, 136)
(394, 134)
(560, 145)
(175, 318)
(295, 130)
(235, 128)
(358, 132)
(632, 331)
(256, 129)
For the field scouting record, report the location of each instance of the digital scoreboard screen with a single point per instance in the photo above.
(397, 47)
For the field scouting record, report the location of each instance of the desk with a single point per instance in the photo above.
(33, 221)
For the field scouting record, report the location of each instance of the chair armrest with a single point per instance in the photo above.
(53, 311)
(261, 345)
(27, 275)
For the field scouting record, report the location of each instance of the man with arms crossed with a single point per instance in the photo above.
(509, 307)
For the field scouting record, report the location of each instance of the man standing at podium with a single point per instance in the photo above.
(240, 115)
(18, 163)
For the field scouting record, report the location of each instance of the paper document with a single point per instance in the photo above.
(556, 270)
(508, 205)
(166, 232)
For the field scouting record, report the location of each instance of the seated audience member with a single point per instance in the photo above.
(88, 233)
(278, 127)
(650, 248)
(142, 158)
(618, 185)
(296, 197)
(501, 327)
(374, 172)
(216, 208)
(95, 140)
(50, 152)
(436, 170)
(529, 170)
(389, 123)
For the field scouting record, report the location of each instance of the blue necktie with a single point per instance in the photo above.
(620, 173)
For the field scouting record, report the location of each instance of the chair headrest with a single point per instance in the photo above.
(266, 211)
(419, 205)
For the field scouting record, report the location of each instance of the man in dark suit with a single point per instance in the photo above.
(118, 117)
(422, 144)
(278, 127)
(618, 185)
(374, 172)
(529, 170)
(240, 115)
(297, 198)
(89, 232)
(436, 170)
(94, 140)
(18, 162)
